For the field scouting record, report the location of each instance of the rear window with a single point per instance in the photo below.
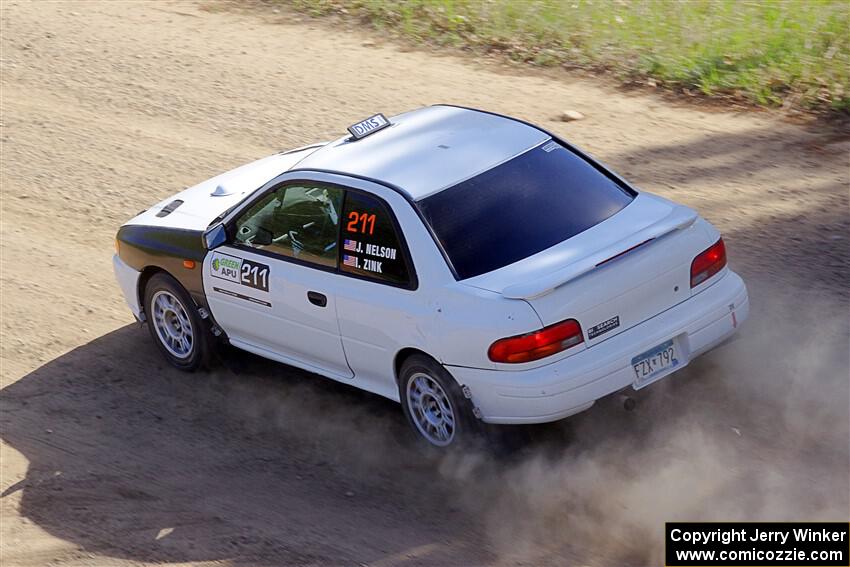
(527, 204)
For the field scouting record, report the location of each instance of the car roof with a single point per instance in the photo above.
(429, 149)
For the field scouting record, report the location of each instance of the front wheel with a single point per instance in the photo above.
(174, 323)
(433, 403)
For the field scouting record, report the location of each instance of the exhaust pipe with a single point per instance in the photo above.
(629, 402)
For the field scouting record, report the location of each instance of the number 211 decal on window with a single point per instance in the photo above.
(363, 223)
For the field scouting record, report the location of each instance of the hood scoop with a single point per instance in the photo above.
(221, 191)
(169, 208)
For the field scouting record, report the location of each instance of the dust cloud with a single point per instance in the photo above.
(755, 429)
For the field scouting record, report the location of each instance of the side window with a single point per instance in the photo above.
(295, 221)
(370, 246)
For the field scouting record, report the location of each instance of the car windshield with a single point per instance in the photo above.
(527, 204)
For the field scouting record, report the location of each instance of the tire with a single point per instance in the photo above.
(175, 325)
(434, 404)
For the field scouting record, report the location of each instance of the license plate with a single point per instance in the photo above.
(654, 363)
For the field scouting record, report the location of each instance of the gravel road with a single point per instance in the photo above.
(111, 458)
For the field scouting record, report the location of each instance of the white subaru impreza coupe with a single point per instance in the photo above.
(468, 265)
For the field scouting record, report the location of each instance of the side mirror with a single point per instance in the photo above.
(215, 237)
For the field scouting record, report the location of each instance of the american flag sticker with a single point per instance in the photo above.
(350, 245)
(349, 260)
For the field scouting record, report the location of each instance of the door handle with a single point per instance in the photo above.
(317, 298)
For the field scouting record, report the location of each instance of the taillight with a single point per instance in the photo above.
(708, 263)
(536, 345)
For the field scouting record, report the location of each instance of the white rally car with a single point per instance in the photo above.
(469, 265)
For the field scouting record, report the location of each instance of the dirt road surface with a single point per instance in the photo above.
(111, 458)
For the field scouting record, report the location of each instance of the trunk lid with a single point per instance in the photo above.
(612, 276)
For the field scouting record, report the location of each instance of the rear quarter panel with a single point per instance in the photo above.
(469, 320)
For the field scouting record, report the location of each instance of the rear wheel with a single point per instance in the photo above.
(174, 323)
(433, 403)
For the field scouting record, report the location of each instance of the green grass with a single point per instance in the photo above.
(771, 52)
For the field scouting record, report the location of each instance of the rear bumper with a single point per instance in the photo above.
(128, 281)
(573, 384)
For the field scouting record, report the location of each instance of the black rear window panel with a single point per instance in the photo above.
(521, 207)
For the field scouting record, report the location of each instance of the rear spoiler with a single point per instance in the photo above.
(679, 218)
